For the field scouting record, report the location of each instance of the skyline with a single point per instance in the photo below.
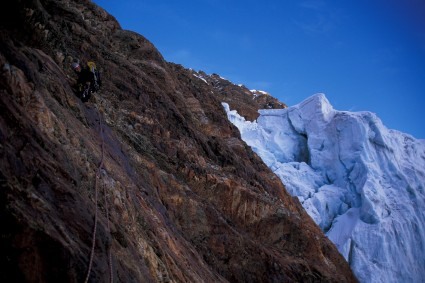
(363, 55)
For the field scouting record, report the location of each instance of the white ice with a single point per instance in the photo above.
(362, 183)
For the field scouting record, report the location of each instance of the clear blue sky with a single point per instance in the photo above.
(363, 54)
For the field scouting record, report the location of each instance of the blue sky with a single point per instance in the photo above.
(365, 55)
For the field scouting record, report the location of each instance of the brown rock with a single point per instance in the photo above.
(178, 196)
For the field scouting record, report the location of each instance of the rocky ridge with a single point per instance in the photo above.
(151, 162)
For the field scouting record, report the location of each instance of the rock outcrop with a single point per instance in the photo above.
(150, 168)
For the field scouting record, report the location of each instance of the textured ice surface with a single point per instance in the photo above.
(361, 183)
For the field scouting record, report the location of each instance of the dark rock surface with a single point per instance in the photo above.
(178, 195)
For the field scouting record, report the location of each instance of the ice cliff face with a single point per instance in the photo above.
(361, 183)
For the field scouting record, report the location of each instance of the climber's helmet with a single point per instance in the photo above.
(75, 66)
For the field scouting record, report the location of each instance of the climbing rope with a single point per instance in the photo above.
(99, 176)
(111, 276)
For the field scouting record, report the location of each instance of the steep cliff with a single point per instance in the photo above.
(150, 169)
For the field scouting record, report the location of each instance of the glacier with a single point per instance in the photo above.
(362, 183)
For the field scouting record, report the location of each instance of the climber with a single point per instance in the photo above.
(88, 80)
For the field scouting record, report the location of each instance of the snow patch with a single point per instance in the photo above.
(256, 92)
(200, 77)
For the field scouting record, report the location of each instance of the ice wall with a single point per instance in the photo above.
(361, 183)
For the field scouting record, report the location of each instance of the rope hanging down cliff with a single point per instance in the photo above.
(99, 176)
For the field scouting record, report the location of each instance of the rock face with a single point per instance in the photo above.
(245, 101)
(147, 182)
